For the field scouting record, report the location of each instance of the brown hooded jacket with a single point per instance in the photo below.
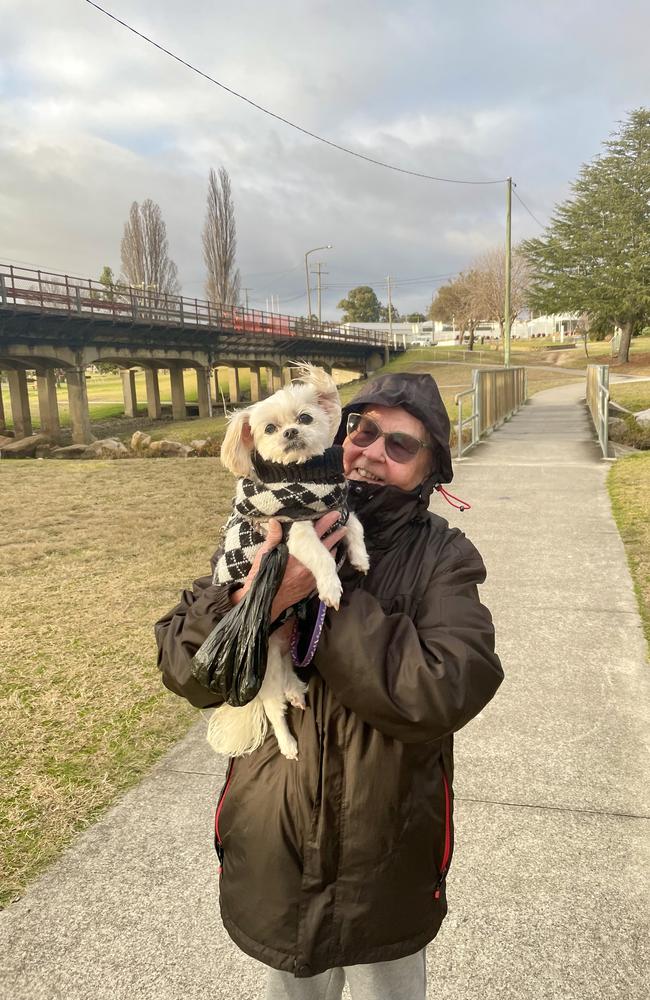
(340, 858)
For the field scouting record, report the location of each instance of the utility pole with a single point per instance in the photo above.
(246, 291)
(390, 311)
(506, 331)
(318, 274)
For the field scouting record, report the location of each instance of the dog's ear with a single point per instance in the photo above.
(326, 391)
(238, 444)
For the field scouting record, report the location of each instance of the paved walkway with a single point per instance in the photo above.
(548, 889)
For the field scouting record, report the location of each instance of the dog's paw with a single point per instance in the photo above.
(330, 593)
(296, 699)
(360, 562)
(289, 748)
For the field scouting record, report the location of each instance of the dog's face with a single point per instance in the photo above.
(295, 424)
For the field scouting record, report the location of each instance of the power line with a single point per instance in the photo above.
(523, 203)
(399, 282)
(285, 121)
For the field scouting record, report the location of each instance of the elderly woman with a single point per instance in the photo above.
(335, 866)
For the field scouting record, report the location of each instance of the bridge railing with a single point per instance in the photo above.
(56, 293)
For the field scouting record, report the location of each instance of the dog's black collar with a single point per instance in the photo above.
(325, 468)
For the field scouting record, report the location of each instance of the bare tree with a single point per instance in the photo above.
(220, 241)
(459, 302)
(491, 285)
(144, 251)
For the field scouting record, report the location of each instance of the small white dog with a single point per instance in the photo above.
(298, 423)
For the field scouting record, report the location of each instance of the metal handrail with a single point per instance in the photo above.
(54, 292)
(472, 419)
(598, 403)
(496, 394)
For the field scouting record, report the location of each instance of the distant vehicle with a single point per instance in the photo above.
(422, 342)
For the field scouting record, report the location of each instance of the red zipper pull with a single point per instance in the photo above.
(438, 886)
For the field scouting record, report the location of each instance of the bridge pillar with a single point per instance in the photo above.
(129, 393)
(154, 409)
(19, 402)
(48, 406)
(203, 391)
(178, 393)
(233, 385)
(256, 385)
(273, 379)
(78, 401)
(287, 375)
(3, 424)
(373, 362)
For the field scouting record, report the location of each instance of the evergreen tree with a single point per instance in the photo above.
(595, 255)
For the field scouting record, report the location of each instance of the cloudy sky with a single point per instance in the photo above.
(93, 118)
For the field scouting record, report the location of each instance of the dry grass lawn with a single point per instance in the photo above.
(92, 554)
(629, 488)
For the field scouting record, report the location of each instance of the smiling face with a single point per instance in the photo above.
(372, 464)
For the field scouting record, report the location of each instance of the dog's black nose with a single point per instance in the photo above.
(291, 433)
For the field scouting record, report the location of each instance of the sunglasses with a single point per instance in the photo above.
(401, 448)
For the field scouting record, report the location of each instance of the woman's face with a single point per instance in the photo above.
(372, 464)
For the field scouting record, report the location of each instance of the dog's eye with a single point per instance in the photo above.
(270, 429)
(305, 418)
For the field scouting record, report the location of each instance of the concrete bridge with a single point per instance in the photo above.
(51, 322)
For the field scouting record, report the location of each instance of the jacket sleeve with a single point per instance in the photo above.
(181, 632)
(416, 679)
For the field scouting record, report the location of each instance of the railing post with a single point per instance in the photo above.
(77, 291)
(476, 426)
(3, 290)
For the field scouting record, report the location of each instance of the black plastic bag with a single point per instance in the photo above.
(232, 660)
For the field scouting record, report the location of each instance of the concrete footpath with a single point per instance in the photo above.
(548, 891)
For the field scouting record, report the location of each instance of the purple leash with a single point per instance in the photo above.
(313, 642)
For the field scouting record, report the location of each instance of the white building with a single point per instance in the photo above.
(432, 332)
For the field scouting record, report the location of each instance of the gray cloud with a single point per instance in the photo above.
(91, 118)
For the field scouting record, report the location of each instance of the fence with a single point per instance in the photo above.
(61, 293)
(495, 395)
(598, 402)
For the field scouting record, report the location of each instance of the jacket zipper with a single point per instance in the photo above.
(444, 866)
(222, 795)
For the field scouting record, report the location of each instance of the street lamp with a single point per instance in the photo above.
(328, 247)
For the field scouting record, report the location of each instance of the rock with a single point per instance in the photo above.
(106, 448)
(69, 451)
(170, 449)
(24, 447)
(617, 429)
(44, 450)
(140, 441)
(4, 439)
(643, 417)
(199, 444)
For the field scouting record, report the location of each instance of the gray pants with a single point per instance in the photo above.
(404, 979)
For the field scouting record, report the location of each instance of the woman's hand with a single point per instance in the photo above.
(297, 581)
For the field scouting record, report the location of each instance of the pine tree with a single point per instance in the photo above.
(595, 256)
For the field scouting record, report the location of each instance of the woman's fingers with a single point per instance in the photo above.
(324, 523)
(334, 538)
(273, 535)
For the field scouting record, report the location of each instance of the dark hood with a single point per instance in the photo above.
(420, 396)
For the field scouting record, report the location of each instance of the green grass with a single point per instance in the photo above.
(634, 396)
(628, 482)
